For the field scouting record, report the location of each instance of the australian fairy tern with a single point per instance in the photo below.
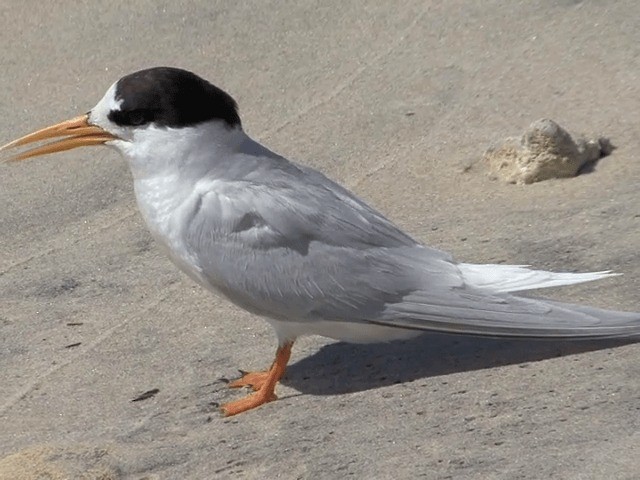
(283, 241)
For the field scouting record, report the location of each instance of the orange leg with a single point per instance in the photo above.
(263, 382)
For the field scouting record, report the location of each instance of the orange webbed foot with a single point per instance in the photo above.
(254, 380)
(264, 384)
(249, 402)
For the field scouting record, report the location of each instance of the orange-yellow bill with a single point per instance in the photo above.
(78, 133)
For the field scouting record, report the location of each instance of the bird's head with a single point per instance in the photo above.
(146, 113)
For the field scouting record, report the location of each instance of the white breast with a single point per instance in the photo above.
(167, 205)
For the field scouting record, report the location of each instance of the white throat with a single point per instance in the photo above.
(167, 165)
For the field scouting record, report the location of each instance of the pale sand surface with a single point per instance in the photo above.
(393, 99)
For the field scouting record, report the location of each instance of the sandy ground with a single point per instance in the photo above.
(396, 100)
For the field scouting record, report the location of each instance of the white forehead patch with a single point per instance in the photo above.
(99, 113)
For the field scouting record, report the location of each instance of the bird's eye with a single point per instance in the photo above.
(132, 118)
(138, 117)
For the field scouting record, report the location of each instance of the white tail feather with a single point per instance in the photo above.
(514, 278)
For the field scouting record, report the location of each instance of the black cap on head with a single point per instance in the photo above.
(171, 97)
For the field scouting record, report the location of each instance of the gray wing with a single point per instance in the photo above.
(463, 310)
(289, 243)
(296, 246)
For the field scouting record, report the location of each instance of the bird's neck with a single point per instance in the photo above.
(168, 163)
(186, 153)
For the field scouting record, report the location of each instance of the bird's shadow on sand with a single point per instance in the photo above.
(342, 368)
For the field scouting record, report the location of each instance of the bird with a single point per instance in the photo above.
(283, 241)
